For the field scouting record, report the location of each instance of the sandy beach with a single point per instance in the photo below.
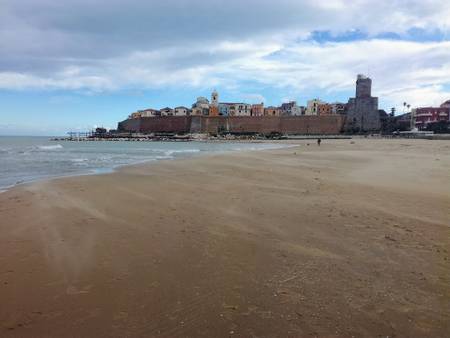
(349, 239)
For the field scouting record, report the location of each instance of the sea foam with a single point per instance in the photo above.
(51, 147)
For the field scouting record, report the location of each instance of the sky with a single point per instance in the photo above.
(76, 64)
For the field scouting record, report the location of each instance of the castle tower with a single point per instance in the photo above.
(363, 86)
(362, 110)
(215, 98)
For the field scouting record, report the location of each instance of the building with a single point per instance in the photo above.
(167, 111)
(215, 98)
(429, 115)
(224, 109)
(201, 107)
(362, 110)
(272, 111)
(312, 107)
(134, 115)
(291, 109)
(446, 104)
(214, 106)
(324, 109)
(214, 111)
(181, 111)
(239, 109)
(338, 108)
(257, 109)
(145, 113)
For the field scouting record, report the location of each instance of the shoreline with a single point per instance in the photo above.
(345, 239)
(113, 168)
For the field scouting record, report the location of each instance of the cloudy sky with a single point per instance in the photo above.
(74, 64)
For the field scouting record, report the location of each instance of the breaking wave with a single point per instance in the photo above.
(51, 147)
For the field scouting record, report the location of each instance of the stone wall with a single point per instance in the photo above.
(236, 124)
(159, 124)
(363, 115)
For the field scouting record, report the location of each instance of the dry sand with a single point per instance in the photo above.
(346, 239)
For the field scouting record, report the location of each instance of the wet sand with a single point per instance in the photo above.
(351, 238)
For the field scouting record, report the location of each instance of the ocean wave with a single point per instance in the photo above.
(51, 147)
(79, 160)
(181, 151)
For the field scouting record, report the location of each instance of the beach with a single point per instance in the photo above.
(351, 238)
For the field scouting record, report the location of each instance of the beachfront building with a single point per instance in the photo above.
(134, 115)
(338, 108)
(257, 109)
(181, 111)
(167, 111)
(312, 107)
(324, 109)
(201, 107)
(291, 109)
(362, 110)
(145, 113)
(429, 115)
(272, 111)
(239, 109)
(224, 108)
(446, 104)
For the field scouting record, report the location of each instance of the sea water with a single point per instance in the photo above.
(27, 159)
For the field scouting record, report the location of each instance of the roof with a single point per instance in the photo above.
(181, 107)
(234, 103)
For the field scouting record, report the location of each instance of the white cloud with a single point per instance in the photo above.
(151, 44)
(400, 69)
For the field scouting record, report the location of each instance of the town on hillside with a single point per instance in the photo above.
(361, 113)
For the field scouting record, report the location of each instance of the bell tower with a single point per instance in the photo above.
(215, 98)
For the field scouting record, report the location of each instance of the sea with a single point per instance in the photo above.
(28, 159)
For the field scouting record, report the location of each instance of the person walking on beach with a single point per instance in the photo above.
(318, 141)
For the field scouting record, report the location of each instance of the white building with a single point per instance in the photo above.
(313, 107)
(180, 111)
(291, 109)
(201, 107)
(145, 113)
(167, 111)
(239, 109)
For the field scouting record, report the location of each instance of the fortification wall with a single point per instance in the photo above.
(130, 125)
(330, 124)
(159, 124)
(311, 125)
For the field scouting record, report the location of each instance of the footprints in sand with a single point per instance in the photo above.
(23, 322)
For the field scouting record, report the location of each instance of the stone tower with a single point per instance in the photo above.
(215, 98)
(363, 86)
(362, 110)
